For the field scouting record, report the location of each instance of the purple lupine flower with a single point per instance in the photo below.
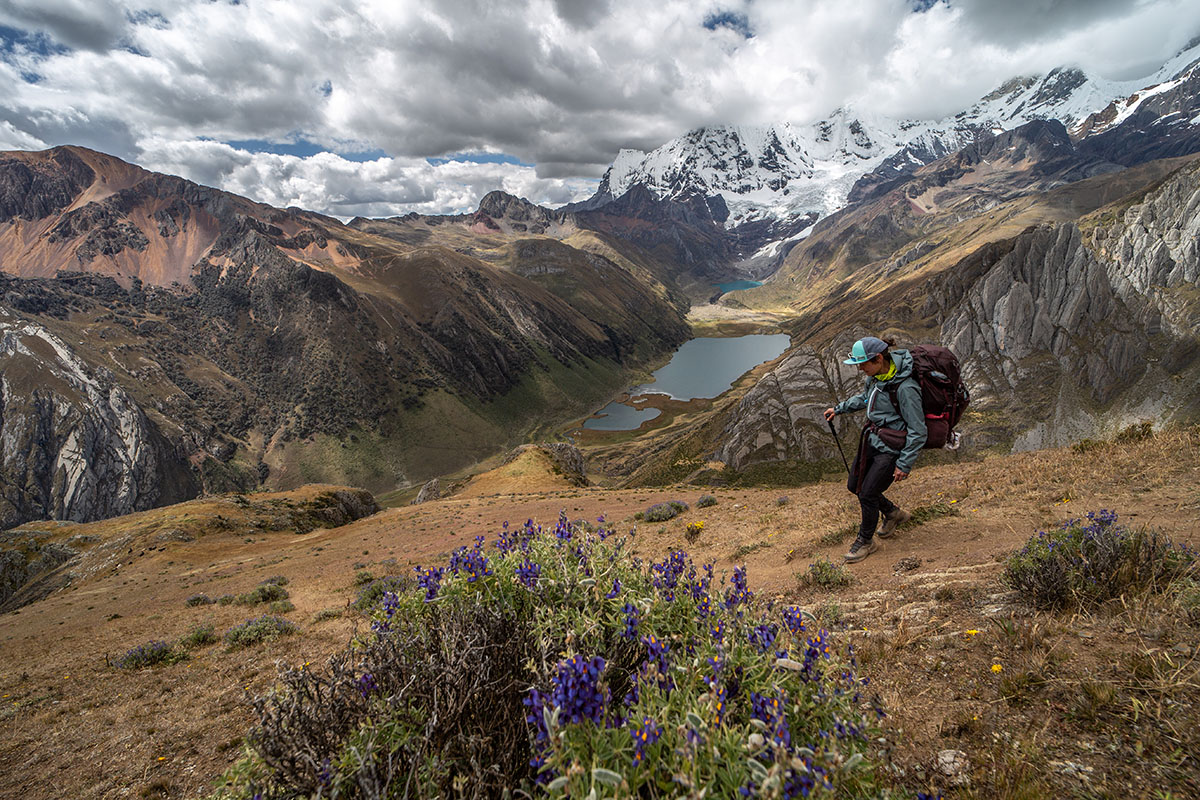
(738, 593)
(367, 684)
(528, 573)
(430, 580)
(644, 736)
(793, 618)
(657, 656)
(631, 621)
(616, 589)
(763, 637)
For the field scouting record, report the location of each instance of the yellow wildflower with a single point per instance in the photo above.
(997, 668)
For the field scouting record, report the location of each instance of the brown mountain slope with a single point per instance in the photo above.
(281, 344)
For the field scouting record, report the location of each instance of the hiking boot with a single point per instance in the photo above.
(898, 516)
(861, 549)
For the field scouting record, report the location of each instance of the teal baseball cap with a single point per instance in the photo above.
(865, 349)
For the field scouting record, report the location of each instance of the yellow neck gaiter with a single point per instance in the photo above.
(887, 376)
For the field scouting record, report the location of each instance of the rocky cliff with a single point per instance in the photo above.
(74, 444)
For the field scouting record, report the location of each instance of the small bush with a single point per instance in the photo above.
(147, 655)
(558, 663)
(258, 630)
(825, 574)
(781, 501)
(923, 514)
(227, 599)
(198, 636)
(693, 530)
(327, 613)
(1135, 433)
(281, 607)
(274, 580)
(199, 600)
(263, 593)
(705, 501)
(838, 537)
(363, 577)
(661, 512)
(370, 595)
(747, 549)
(1091, 560)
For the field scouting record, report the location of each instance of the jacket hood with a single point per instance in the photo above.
(904, 365)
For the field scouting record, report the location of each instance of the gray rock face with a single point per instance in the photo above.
(73, 444)
(780, 417)
(569, 459)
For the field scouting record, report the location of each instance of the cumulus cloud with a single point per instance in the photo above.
(561, 84)
(343, 188)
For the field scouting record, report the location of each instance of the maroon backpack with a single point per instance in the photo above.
(944, 396)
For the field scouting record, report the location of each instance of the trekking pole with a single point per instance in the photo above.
(839, 445)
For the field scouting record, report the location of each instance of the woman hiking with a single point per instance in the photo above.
(891, 439)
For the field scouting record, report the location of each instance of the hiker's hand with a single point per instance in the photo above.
(898, 475)
(829, 414)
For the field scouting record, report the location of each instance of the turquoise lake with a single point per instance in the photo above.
(734, 286)
(703, 367)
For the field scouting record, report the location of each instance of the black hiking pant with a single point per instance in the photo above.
(874, 471)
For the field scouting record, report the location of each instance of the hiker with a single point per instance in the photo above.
(891, 439)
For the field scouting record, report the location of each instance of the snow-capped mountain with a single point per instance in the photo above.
(785, 171)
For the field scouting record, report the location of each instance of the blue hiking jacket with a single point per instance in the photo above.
(910, 415)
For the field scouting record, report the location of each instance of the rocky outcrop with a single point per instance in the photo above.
(75, 444)
(28, 556)
(568, 459)
(779, 419)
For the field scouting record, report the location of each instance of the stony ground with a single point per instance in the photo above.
(1089, 705)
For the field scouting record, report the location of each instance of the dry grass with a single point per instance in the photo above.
(1128, 688)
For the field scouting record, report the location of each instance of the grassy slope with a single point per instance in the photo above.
(1094, 690)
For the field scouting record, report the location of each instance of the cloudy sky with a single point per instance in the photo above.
(381, 107)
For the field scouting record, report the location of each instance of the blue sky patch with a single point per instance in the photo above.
(38, 44)
(738, 23)
(302, 148)
(479, 158)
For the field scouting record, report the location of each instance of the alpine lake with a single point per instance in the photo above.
(701, 368)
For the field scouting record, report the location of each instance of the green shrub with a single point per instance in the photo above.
(825, 574)
(263, 593)
(1091, 560)
(923, 514)
(281, 607)
(327, 613)
(363, 577)
(227, 599)
(198, 636)
(258, 630)
(199, 600)
(705, 501)
(274, 580)
(647, 680)
(370, 595)
(661, 512)
(838, 537)
(147, 655)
